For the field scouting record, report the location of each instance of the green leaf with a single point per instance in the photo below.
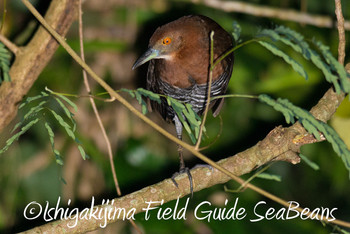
(63, 124)
(236, 33)
(289, 37)
(82, 152)
(59, 159)
(335, 66)
(72, 104)
(5, 58)
(34, 110)
(18, 134)
(141, 102)
(309, 162)
(178, 108)
(312, 125)
(189, 119)
(268, 176)
(31, 99)
(144, 108)
(149, 94)
(51, 134)
(61, 100)
(52, 141)
(63, 180)
(67, 112)
(130, 92)
(138, 97)
(333, 71)
(16, 126)
(276, 51)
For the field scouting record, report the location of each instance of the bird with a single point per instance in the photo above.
(179, 61)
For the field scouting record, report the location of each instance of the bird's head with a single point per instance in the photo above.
(166, 42)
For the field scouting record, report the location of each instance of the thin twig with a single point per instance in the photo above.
(235, 96)
(3, 17)
(341, 31)
(271, 12)
(243, 186)
(11, 46)
(210, 78)
(223, 56)
(92, 101)
(216, 137)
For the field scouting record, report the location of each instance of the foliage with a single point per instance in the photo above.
(309, 162)
(311, 124)
(268, 176)
(5, 58)
(37, 112)
(333, 71)
(236, 32)
(189, 118)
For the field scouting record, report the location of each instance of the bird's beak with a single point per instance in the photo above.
(147, 56)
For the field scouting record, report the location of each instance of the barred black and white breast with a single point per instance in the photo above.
(196, 94)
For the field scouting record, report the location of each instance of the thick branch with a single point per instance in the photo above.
(31, 59)
(270, 12)
(277, 143)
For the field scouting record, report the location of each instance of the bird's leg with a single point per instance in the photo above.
(183, 169)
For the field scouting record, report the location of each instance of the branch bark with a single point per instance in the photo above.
(31, 59)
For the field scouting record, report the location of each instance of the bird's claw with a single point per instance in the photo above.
(187, 171)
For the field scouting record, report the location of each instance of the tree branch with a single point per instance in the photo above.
(32, 59)
(12, 47)
(341, 31)
(270, 12)
(278, 143)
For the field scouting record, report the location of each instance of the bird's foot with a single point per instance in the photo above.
(187, 171)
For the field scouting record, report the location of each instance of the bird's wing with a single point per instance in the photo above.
(222, 84)
(155, 85)
(151, 83)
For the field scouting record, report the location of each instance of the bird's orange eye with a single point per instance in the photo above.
(166, 41)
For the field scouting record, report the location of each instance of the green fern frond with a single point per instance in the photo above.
(37, 107)
(311, 124)
(333, 71)
(276, 51)
(189, 118)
